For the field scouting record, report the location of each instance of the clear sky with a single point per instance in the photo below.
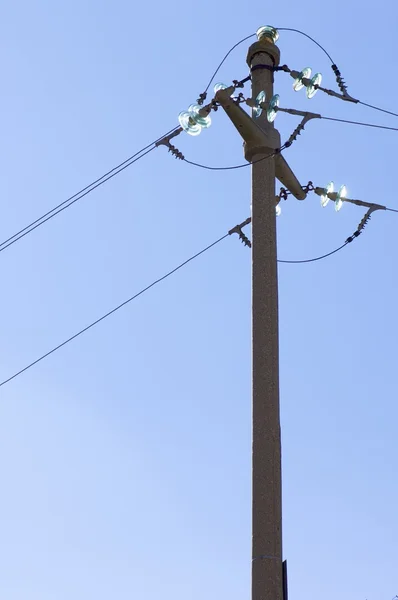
(125, 458)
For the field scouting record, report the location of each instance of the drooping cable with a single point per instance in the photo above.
(309, 37)
(223, 61)
(254, 162)
(310, 260)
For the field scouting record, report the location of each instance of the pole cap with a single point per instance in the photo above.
(267, 36)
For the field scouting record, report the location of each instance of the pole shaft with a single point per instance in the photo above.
(267, 488)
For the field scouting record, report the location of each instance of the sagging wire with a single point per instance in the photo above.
(246, 242)
(283, 195)
(241, 166)
(309, 37)
(316, 259)
(203, 95)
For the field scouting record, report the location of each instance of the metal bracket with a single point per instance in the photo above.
(241, 83)
(309, 187)
(319, 191)
(299, 113)
(283, 194)
(238, 229)
(258, 141)
(166, 142)
(364, 221)
(202, 98)
(300, 127)
(346, 97)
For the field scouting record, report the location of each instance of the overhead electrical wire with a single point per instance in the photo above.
(141, 153)
(241, 166)
(137, 156)
(254, 162)
(309, 37)
(310, 260)
(159, 280)
(375, 126)
(388, 112)
(79, 195)
(383, 110)
(348, 241)
(225, 58)
(111, 312)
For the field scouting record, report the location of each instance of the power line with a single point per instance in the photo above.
(79, 195)
(225, 58)
(141, 153)
(359, 123)
(309, 260)
(388, 112)
(348, 241)
(278, 151)
(310, 38)
(41, 221)
(154, 283)
(111, 312)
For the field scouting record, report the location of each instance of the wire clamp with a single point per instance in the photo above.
(346, 97)
(202, 98)
(241, 83)
(283, 193)
(166, 142)
(238, 229)
(308, 188)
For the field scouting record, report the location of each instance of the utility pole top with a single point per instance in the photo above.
(267, 36)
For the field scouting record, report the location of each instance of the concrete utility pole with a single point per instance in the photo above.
(261, 140)
(267, 484)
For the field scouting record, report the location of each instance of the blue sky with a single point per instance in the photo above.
(125, 457)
